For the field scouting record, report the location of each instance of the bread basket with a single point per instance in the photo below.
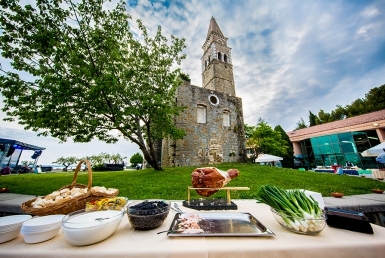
(69, 205)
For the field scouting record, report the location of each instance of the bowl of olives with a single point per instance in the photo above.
(148, 214)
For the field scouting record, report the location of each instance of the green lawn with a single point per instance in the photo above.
(172, 183)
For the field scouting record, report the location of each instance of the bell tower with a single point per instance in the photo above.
(217, 69)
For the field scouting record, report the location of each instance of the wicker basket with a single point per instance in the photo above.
(73, 204)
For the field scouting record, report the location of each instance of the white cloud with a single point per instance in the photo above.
(370, 11)
(289, 57)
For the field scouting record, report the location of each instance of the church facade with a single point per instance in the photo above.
(213, 119)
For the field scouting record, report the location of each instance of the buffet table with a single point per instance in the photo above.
(127, 242)
(345, 171)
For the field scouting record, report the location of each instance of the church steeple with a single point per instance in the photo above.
(217, 70)
(214, 29)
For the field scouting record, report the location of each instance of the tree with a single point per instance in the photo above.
(105, 157)
(248, 131)
(288, 158)
(66, 162)
(185, 77)
(136, 159)
(374, 100)
(338, 114)
(356, 107)
(98, 160)
(88, 75)
(27, 163)
(301, 124)
(324, 117)
(264, 139)
(117, 159)
(312, 119)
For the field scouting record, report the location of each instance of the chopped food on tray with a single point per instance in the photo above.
(115, 203)
(189, 225)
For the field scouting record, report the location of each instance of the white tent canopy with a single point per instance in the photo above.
(374, 151)
(268, 158)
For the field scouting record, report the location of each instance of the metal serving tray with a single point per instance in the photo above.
(223, 224)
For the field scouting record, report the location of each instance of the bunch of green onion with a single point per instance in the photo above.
(298, 211)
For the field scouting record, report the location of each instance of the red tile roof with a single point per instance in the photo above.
(341, 124)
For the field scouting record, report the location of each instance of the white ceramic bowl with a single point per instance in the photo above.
(9, 223)
(10, 226)
(85, 228)
(42, 224)
(10, 235)
(34, 238)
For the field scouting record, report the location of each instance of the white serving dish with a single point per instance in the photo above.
(10, 226)
(41, 229)
(41, 224)
(10, 235)
(38, 237)
(13, 221)
(83, 228)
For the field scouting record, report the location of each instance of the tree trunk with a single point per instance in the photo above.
(150, 158)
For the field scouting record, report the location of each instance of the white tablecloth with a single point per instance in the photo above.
(127, 242)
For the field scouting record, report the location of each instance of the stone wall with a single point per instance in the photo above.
(218, 76)
(211, 142)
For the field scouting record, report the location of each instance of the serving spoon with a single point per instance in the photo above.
(168, 231)
(177, 208)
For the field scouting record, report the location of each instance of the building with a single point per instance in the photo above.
(213, 120)
(340, 141)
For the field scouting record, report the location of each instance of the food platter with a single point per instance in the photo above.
(4, 190)
(221, 224)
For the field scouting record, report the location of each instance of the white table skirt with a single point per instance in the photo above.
(127, 242)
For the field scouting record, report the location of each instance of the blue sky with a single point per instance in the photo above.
(289, 57)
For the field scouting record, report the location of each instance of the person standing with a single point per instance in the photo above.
(349, 164)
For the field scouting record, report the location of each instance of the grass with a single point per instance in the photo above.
(172, 183)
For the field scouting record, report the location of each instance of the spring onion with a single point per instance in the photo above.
(298, 211)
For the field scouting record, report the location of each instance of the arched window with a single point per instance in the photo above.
(201, 114)
(226, 118)
(225, 58)
(219, 56)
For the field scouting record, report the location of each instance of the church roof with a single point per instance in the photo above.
(214, 28)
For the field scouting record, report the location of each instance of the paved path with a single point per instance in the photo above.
(362, 203)
(10, 202)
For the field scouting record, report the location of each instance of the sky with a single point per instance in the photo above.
(289, 58)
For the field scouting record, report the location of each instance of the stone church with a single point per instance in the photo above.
(213, 119)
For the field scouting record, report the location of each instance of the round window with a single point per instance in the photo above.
(214, 100)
